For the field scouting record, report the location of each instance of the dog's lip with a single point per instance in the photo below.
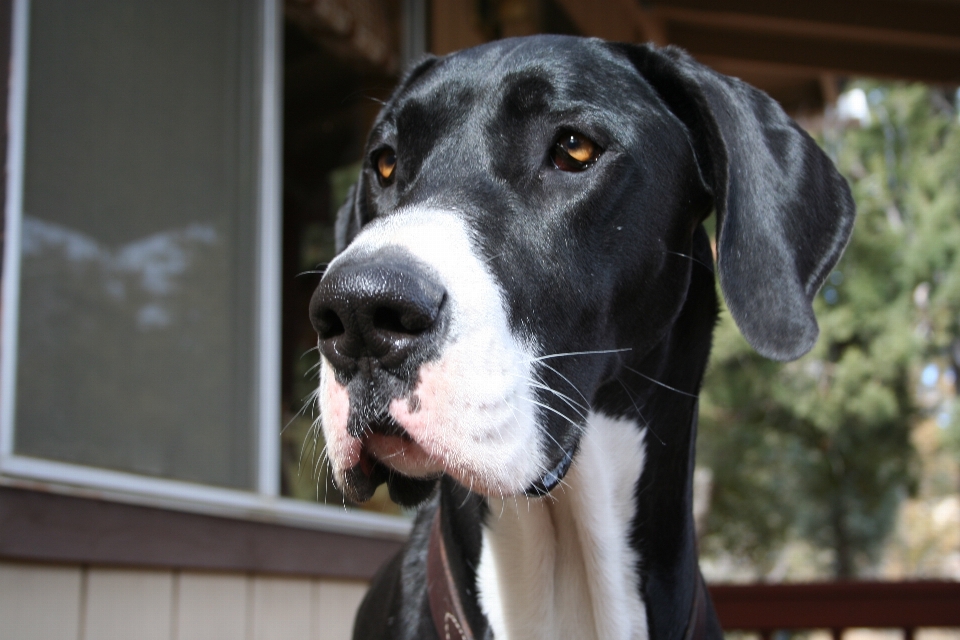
(400, 453)
(551, 478)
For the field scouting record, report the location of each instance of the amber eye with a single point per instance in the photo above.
(386, 161)
(574, 152)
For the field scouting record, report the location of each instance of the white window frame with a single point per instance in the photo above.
(265, 503)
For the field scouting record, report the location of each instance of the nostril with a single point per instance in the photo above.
(410, 319)
(329, 324)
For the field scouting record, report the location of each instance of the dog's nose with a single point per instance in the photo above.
(382, 307)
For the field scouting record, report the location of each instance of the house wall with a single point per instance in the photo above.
(70, 568)
(75, 602)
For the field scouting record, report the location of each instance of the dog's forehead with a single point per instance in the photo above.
(526, 76)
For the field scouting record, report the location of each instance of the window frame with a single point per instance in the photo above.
(264, 503)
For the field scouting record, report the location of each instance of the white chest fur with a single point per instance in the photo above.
(560, 567)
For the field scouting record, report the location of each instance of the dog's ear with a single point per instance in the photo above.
(784, 213)
(348, 220)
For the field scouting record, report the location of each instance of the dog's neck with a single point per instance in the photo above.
(611, 554)
(619, 533)
(563, 566)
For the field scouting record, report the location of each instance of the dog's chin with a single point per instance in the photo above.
(409, 472)
(359, 486)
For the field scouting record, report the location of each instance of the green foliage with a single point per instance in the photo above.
(819, 449)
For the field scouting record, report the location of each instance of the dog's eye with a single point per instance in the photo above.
(386, 163)
(574, 152)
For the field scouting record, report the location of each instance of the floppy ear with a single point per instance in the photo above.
(348, 220)
(784, 213)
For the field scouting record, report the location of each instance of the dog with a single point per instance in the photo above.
(515, 330)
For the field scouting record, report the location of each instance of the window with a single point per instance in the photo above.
(141, 308)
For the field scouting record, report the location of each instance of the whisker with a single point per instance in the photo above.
(303, 447)
(539, 382)
(551, 409)
(691, 259)
(577, 353)
(657, 382)
(309, 371)
(309, 400)
(646, 423)
(323, 457)
(466, 498)
(565, 379)
(580, 409)
(320, 269)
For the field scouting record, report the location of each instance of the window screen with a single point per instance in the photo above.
(137, 320)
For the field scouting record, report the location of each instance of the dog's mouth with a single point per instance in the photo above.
(399, 452)
(388, 454)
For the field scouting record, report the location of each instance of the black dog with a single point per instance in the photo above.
(521, 316)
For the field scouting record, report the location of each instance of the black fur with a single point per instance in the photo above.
(612, 259)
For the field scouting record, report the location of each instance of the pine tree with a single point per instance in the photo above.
(819, 449)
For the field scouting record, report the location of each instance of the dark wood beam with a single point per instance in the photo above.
(786, 47)
(617, 20)
(890, 35)
(816, 54)
(930, 17)
(363, 32)
(799, 91)
(610, 21)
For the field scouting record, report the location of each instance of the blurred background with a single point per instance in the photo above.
(173, 171)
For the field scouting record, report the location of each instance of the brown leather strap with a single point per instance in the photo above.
(445, 605)
(697, 624)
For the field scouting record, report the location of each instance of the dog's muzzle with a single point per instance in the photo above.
(378, 318)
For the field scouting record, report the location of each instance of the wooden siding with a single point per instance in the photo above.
(44, 602)
(38, 526)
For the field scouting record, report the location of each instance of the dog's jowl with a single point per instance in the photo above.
(515, 330)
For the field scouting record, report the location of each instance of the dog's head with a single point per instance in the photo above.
(524, 222)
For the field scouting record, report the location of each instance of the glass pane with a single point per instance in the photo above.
(138, 275)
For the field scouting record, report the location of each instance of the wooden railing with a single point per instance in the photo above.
(835, 606)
